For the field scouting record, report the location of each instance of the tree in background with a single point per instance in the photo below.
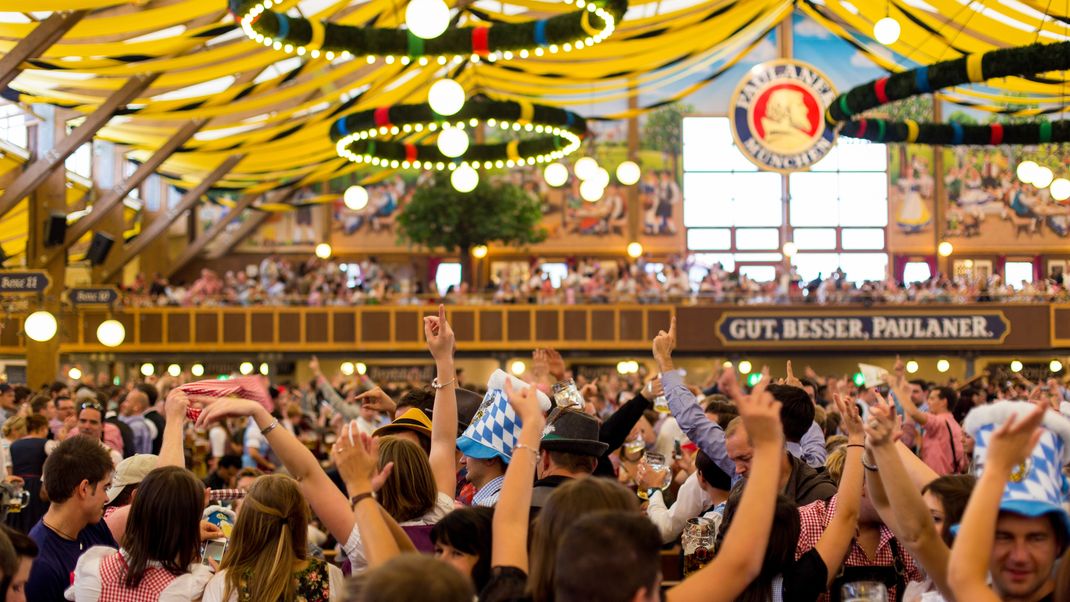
(663, 131)
(439, 217)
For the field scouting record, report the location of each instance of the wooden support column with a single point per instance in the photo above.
(115, 196)
(163, 222)
(36, 173)
(47, 33)
(42, 359)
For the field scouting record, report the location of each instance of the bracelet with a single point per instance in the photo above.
(855, 445)
(437, 385)
(868, 467)
(274, 425)
(360, 497)
(534, 460)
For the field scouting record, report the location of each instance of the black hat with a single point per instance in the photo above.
(573, 432)
(468, 403)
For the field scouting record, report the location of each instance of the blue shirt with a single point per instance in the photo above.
(142, 433)
(811, 448)
(52, 570)
(703, 432)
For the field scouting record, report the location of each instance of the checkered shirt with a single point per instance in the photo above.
(815, 517)
(112, 577)
(226, 495)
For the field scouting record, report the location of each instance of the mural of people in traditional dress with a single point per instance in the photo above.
(988, 208)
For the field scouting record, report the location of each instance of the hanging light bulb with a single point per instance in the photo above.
(635, 250)
(887, 31)
(76, 374)
(555, 174)
(745, 367)
(584, 168)
(361, 368)
(943, 366)
(600, 177)
(174, 370)
(628, 173)
(264, 368)
(912, 366)
(40, 326)
(356, 198)
(1060, 189)
(479, 251)
(147, 369)
(518, 367)
(246, 368)
(446, 97)
(452, 142)
(1055, 366)
(427, 19)
(347, 368)
(1026, 171)
(1016, 366)
(790, 249)
(323, 250)
(1042, 177)
(197, 370)
(111, 333)
(464, 178)
(945, 249)
(590, 191)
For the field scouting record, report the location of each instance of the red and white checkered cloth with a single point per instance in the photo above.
(245, 387)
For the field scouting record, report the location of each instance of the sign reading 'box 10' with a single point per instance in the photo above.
(975, 327)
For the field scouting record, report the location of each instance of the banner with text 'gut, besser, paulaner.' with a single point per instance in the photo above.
(973, 327)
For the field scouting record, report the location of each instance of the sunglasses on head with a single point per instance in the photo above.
(90, 405)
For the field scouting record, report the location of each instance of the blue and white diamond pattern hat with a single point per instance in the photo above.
(1038, 486)
(495, 426)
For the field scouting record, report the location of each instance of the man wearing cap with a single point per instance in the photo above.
(128, 476)
(487, 444)
(569, 450)
(1033, 527)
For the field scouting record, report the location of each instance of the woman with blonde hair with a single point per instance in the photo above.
(267, 556)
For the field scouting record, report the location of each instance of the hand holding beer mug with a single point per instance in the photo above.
(566, 395)
(15, 498)
(653, 474)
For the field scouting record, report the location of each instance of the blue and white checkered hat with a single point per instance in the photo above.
(495, 426)
(1038, 486)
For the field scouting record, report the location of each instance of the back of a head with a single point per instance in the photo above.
(149, 391)
(625, 545)
(270, 537)
(14, 427)
(172, 492)
(796, 410)
(711, 473)
(411, 578)
(75, 460)
(230, 461)
(570, 501)
(409, 492)
(779, 552)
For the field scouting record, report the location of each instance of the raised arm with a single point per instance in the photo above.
(705, 433)
(443, 456)
(912, 524)
(356, 456)
(330, 395)
(511, 515)
(836, 540)
(740, 559)
(1009, 446)
(172, 452)
(329, 504)
(898, 383)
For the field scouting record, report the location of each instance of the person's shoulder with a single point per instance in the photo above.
(98, 534)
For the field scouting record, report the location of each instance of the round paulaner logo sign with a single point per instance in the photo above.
(778, 115)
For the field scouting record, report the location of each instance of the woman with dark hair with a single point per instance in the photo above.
(160, 547)
(14, 585)
(462, 539)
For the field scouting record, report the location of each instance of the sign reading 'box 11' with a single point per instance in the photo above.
(936, 327)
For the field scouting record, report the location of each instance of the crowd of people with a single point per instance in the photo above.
(548, 488)
(315, 282)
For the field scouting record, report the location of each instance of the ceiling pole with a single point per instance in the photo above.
(125, 186)
(38, 171)
(47, 33)
(195, 247)
(164, 221)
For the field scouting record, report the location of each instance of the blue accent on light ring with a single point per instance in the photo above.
(540, 32)
(921, 80)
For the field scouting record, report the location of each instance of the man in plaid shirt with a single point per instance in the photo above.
(875, 555)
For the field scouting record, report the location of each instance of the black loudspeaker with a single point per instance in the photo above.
(55, 229)
(98, 248)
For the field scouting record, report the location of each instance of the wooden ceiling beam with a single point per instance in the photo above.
(39, 40)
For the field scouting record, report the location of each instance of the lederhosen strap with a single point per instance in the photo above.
(890, 576)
